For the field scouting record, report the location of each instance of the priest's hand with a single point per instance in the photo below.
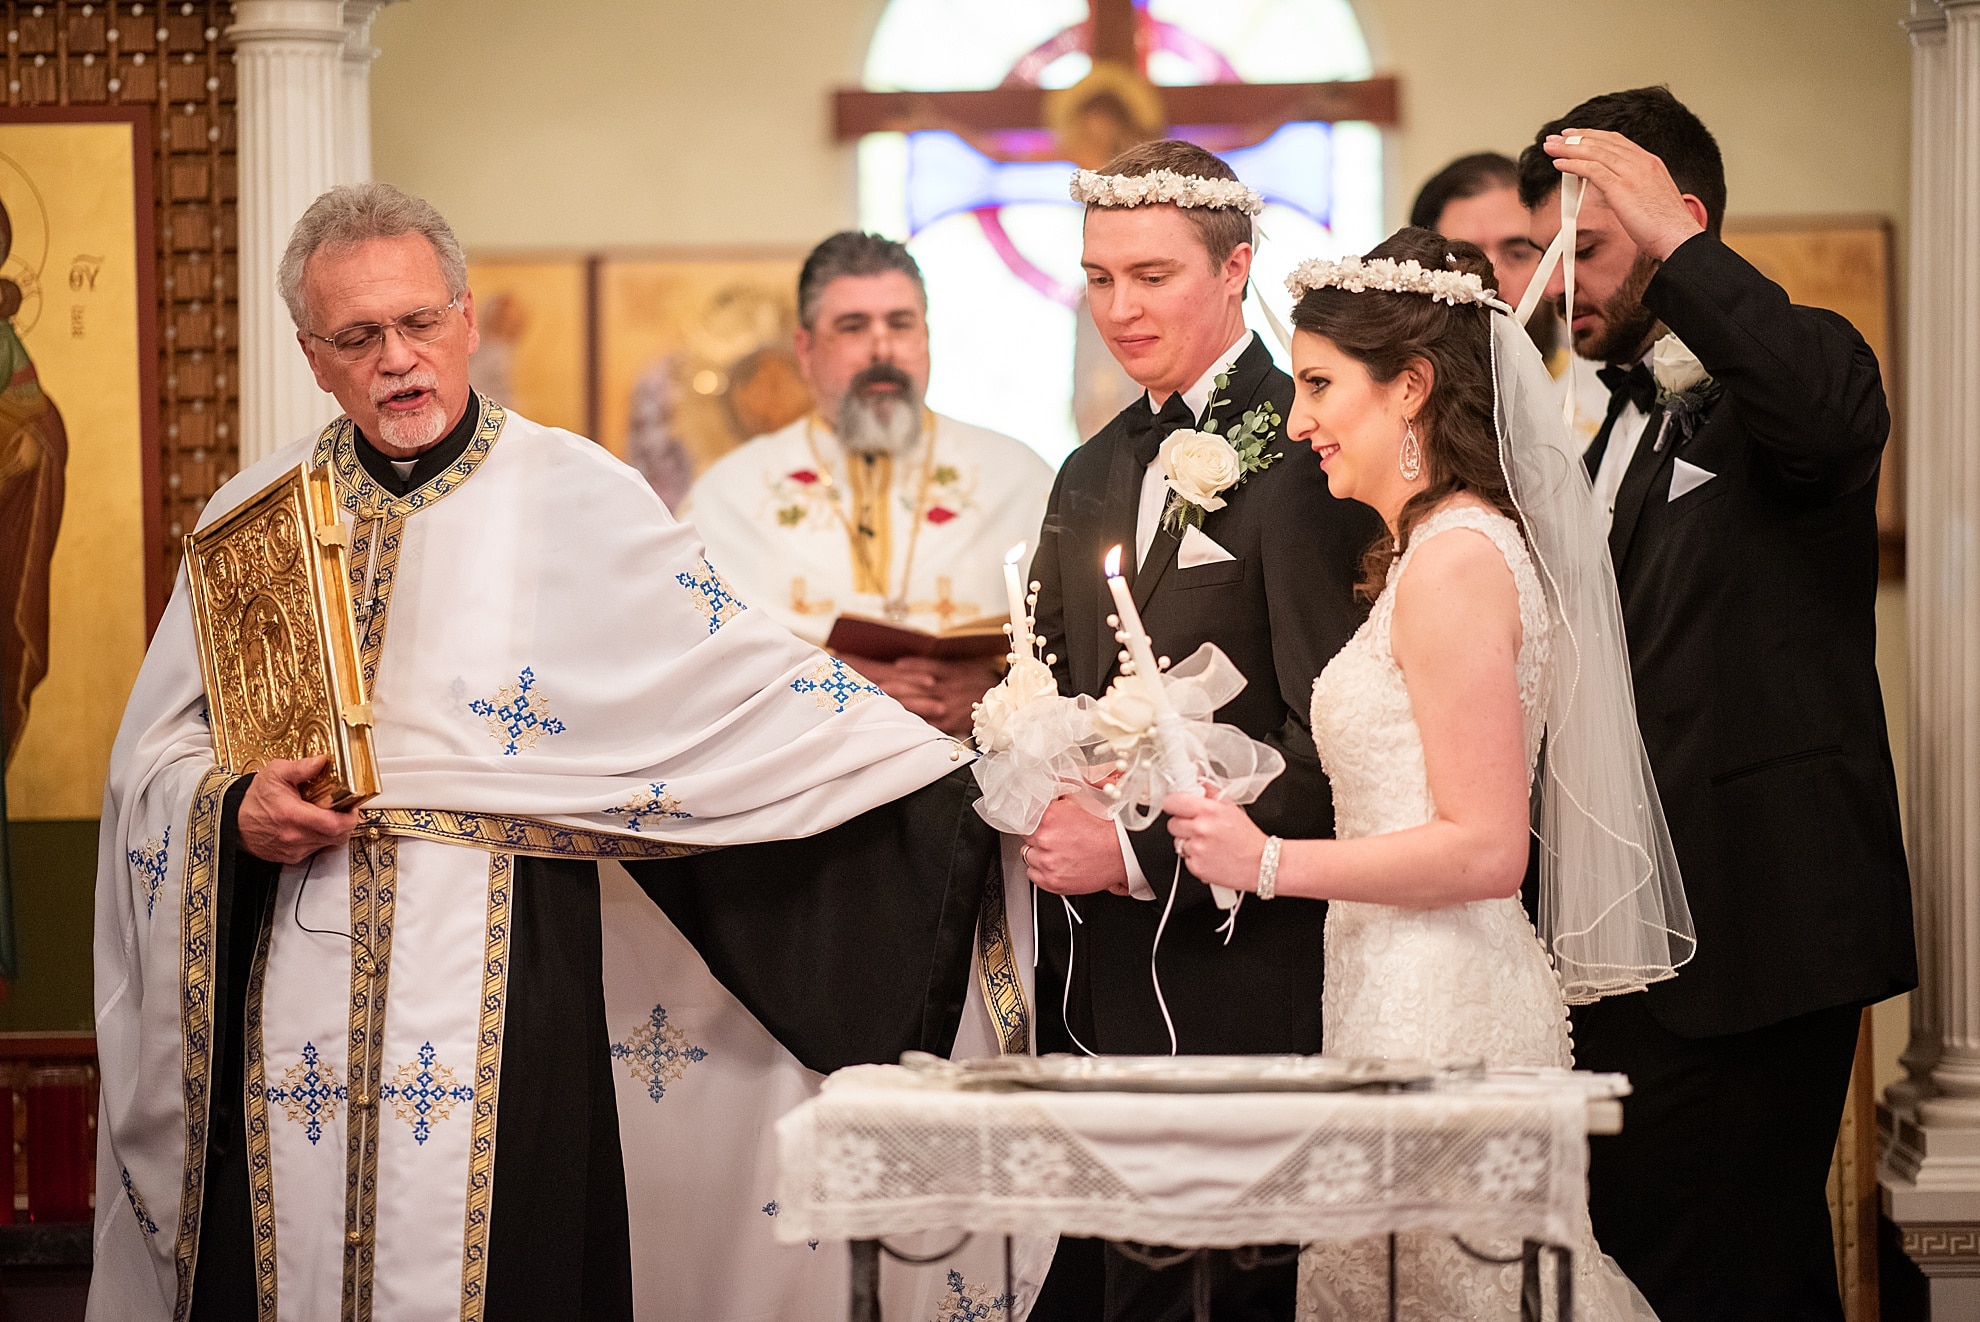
(1218, 841)
(943, 693)
(1635, 184)
(279, 825)
(1074, 853)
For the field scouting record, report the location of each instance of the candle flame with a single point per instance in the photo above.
(1015, 555)
(1114, 563)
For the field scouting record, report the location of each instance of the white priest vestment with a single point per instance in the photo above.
(783, 516)
(558, 676)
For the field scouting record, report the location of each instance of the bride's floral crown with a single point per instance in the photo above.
(1159, 186)
(1389, 276)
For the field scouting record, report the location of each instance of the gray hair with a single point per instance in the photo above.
(353, 213)
(852, 252)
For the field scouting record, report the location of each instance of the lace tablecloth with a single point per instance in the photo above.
(882, 1150)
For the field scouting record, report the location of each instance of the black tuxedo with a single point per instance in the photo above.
(1748, 601)
(1279, 610)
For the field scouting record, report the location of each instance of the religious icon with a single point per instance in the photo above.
(34, 452)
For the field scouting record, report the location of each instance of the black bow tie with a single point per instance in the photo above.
(1147, 430)
(1634, 384)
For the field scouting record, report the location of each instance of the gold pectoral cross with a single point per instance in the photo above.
(945, 607)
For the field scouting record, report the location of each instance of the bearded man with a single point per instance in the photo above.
(1269, 578)
(1738, 468)
(873, 504)
(441, 1056)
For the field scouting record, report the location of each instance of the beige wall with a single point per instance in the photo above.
(599, 122)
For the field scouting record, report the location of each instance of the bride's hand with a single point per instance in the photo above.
(1218, 842)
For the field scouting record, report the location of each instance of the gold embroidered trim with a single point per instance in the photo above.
(374, 890)
(365, 499)
(260, 1159)
(997, 974)
(202, 877)
(520, 835)
(487, 1078)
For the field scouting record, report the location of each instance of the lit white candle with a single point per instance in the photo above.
(1021, 644)
(1139, 651)
(1177, 764)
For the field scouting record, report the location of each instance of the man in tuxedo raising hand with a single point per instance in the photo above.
(1739, 469)
(1270, 579)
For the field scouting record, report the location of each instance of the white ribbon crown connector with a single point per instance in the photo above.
(1158, 186)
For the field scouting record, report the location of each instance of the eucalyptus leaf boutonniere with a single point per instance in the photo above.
(1199, 466)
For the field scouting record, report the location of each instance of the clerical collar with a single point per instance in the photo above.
(427, 464)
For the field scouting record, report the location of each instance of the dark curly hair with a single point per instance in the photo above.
(1386, 332)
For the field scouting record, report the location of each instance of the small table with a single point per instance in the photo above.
(885, 1150)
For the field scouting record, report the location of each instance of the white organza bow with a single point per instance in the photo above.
(1157, 757)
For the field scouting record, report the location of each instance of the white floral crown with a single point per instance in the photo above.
(1392, 277)
(1182, 190)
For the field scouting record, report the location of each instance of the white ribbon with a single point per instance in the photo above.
(1561, 252)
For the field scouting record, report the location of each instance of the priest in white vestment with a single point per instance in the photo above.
(505, 1043)
(873, 504)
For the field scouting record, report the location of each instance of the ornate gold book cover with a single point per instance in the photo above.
(277, 640)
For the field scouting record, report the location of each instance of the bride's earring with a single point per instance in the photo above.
(1411, 460)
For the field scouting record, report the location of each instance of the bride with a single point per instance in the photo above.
(1493, 650)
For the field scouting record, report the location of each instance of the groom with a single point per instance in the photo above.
(1744, 534)
(1269, 578)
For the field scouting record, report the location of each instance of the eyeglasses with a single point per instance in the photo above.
(354, 344)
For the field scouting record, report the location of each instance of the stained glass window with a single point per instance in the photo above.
(998, 240)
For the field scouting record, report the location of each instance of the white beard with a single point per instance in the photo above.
(885, 427)
(412, 432)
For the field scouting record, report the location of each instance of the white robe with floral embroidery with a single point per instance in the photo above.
(554, 669)
(773, 526)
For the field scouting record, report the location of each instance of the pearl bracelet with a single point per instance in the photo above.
(1268, 868)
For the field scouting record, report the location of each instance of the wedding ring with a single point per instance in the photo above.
(1024, 855)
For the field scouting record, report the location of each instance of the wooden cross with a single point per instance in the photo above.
(1118, 93)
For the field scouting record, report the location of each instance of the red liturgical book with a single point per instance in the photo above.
(883, 640)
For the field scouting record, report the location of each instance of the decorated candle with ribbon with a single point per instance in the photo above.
(1178, 767)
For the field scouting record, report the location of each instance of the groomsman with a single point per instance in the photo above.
(1270, 579)
(1744, 534)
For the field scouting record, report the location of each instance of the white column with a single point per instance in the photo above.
(1948, 718)
(291, 57)
(354, 117)
(1931, 1170)
(1927, 368)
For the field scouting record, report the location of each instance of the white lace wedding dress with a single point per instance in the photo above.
(1462, 982)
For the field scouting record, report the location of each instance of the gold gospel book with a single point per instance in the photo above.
(278, 643)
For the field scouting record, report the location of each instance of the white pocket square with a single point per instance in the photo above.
(1687, 478)
(1197, 549)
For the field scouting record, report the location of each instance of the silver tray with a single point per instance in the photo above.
(1182, 1074)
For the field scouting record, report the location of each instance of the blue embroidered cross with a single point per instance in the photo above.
(719, 604)
(770, 1208)
(832, 683)
(653, 803)
(425, 1092)
(963, 1305)
(657, 1053)
(519, 713)
(305, 1095)
(148, 860)
(145, 1223)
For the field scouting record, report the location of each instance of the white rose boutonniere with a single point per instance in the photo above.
(1201, 465)
(1675, 367)
(1198, 465)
